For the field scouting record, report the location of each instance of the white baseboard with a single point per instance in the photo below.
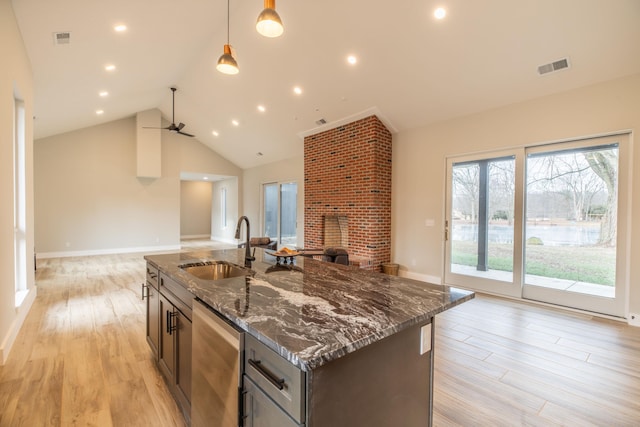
(12, 333)
(634, 319)
(224, 240)
(422, 277)
(44, 255)
(195, 236)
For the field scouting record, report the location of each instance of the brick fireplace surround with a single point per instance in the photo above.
(347, 172)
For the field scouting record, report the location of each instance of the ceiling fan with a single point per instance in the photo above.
(172, 127)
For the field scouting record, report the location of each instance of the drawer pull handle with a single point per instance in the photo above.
(278, 383)
(143, 293)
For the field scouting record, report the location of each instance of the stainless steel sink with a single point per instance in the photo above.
(215, 270)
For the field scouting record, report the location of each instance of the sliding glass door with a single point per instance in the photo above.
(480, 228)
(575, 225)
(280, 212)
(546, 223)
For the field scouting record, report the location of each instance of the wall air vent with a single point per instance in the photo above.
(321, 122)
(62, 38)
(558, 65)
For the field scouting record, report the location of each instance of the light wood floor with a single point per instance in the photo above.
(81, 359)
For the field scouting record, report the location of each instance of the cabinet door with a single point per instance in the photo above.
(260, 411)
(183, 358)
(153, 318)
(166, 348)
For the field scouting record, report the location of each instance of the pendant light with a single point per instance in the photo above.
(227, 63)
(269, 23)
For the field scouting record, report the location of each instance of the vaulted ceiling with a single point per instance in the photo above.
(411, 70)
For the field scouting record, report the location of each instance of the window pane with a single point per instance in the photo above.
(271, 210)
(288, 213)
(482, 218)
(571, 220)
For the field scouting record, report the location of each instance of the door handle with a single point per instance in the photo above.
(170, 326)
(144, 285)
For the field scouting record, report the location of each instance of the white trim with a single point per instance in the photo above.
(12, 334)
(195, 236)
(113, 251)
(373, 111)
(225, 240)
(634, 319)
(422, 277)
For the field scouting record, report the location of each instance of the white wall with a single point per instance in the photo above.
(284, 171)
(89, 199)
(195, 208)
(15, 80)
(419, 162)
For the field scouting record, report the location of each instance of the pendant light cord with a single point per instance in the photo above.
(228, 15)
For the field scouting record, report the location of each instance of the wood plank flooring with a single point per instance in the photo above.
(81, 359)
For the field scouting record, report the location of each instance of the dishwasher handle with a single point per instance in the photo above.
(277, 382)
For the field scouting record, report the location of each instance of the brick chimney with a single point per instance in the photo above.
(347, 173)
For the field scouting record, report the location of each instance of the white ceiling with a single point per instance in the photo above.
(412, 70)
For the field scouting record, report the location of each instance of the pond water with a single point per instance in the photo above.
(552, 235)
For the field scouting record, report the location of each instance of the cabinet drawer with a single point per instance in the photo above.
(260, 411)
(277, 377)
(184, 297)
(152, 275)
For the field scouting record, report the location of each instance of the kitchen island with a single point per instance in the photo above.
(361, 341)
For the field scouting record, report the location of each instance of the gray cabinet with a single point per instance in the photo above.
(274, 388)
(169, 334)
(151, 293)
(261, 411)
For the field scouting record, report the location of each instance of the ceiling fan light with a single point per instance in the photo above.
(227, 63)
(269, 23)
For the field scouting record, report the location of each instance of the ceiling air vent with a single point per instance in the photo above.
(62, 38)
(558, 65)
(321, 122)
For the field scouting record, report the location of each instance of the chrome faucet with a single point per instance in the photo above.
(247, 257)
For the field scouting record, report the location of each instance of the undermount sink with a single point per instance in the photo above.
(215, 270)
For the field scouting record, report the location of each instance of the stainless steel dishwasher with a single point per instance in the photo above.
(217, 373)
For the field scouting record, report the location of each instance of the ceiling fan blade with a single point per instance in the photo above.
(180, 126)
(185, 134)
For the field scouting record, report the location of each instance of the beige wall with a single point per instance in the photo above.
(284, 171)
(89, 199)
(16, 81)
(419, 162)
(195, 208)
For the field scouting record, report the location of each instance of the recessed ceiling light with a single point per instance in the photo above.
(110, 67)
(206, 178)
(120, 28)
(352, 59)
(261, 108)
(215, 133)
(103, 93)
(99, 112)
(440, 13)
(297, 90)
(235, 122)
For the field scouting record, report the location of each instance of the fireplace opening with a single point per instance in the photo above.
(336, 231)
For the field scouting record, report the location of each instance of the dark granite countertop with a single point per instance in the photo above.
(312, 312)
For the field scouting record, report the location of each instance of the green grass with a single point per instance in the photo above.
(585, 264)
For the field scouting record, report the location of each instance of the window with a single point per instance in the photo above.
(223, 208)
(19, 204)
(543, 222)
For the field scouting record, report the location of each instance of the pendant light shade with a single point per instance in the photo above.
(227, 63)
(269, 23)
